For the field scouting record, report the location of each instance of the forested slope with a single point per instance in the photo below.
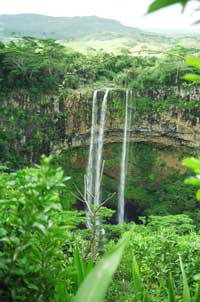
(60, 28)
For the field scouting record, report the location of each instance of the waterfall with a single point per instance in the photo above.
(91, 158)
(121, 203)
(94, 168)
(100, 149)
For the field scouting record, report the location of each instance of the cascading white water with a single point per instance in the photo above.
(94, 168)
(91, 159)
(121, 203)
(100, 149)
(92, 153)
(93, 176)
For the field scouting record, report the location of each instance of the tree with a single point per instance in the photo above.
(191, 61)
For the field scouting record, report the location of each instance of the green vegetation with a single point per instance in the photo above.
(91, 33)
(34, 233)
(40, 78)
(46, 252)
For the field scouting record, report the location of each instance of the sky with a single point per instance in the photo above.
(129, 12)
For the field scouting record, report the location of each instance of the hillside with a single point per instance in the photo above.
(60, 28)
(91, 33)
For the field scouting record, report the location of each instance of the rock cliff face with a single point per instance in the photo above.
(31, 127)
(168, 130)
(176, 127)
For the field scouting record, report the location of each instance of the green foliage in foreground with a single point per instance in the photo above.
(158, 4)
(157, 250)
(34, 233)
(140, 296)
(95, 286)
(44, 255)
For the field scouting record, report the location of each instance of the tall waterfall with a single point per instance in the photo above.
(100, 149)
(92, 153)
(94, 168)
(121, 203)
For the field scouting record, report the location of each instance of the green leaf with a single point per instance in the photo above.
(137, 281)
(158, 4)
(93, 289)
(193, 61)
(192, 77)
(197, 277)
(89, 267)
(186, 290)
(192, 163)
(197, 293)
(80, 267)
(192, 181)
(198, 194)
(170, 289)
(40, 227)
(61, 293)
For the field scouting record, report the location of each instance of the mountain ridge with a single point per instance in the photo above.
(64, 28)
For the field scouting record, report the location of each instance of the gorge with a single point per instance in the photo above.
(161, 133)
(148, 136)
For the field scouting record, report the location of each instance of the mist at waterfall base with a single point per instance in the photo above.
(95, 160)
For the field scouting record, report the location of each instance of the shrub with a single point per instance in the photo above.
(33, 233)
